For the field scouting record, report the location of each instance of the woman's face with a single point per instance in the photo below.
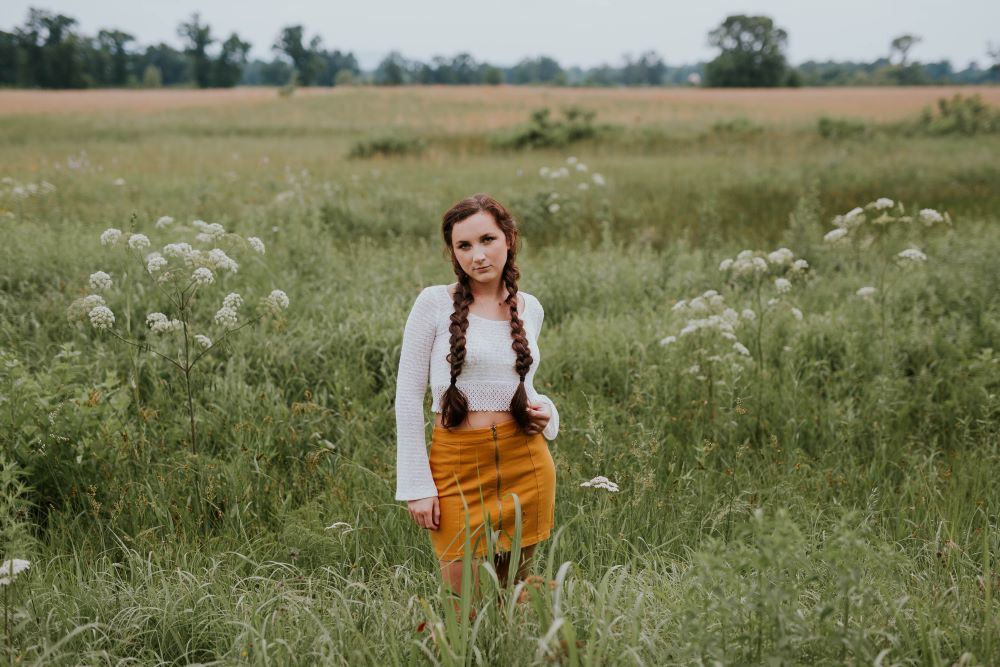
(480, 247)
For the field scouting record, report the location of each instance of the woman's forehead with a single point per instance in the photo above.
(474, 227)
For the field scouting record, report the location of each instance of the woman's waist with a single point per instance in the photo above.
(478, 419)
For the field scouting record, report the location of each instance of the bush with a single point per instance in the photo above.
(543, 132)
(386, 145)
(968, 116)
(841, 128)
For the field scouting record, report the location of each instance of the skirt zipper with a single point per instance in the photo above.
(496, 448)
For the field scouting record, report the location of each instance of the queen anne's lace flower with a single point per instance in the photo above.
(179, 250)
(164, 221)
(232, 300)
(227, 317)
(866, 292)
(204, 341)
(277, 300)
(111, 236)
(155, 262)
(800, 265)
(256, 244)
(9, 570)
(741, 348)
(160, 323)
(835, 235)
(99, 280)
(138, 241)
(668, 340)
(102, 318)
(782, 284)
(598, 180)
(912, 255)
(210, 231)
(218, 259)
(882, 203)
(748, 314)
(203, 276)
(796, 313)
(553, 208)
(601, 482)
(929, 216)
(781, 256)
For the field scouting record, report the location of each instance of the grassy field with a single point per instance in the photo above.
(828, 496)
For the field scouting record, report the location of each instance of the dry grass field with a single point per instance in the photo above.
(469, 108)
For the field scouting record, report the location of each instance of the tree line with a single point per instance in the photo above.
(49, 52)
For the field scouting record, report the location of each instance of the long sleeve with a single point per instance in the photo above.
(413, 471)
(551, 429)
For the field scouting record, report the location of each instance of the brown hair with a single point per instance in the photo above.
(454, 405)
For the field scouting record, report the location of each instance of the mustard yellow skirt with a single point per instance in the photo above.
(486, 467)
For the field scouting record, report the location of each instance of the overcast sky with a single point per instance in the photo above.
(574, 32)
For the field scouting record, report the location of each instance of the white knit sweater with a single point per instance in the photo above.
(488, 379)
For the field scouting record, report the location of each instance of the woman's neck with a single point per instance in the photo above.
(494, 292)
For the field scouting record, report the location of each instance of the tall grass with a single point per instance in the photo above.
(842, 511)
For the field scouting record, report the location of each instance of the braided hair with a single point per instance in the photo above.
(454, 404)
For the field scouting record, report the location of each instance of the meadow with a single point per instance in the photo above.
(825, 495)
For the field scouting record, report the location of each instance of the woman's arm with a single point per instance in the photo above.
(551, 429)
(413, 470)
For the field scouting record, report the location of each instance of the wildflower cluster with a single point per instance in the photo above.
(566, 193)
(181, 271)
(601, 482)
(712, 326)
(15, 190)
(777, 271)
(871, 225)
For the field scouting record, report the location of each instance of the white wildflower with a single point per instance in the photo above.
(601, 482)
(744, 254)
(760, 264)
(256, 244)
(583, 186)
(800, 265)
(694, 370)
(668, 340)
(708, 294)
(204, 341)
(782, 284)
(118, 182)
(164, 221)
(9, 570)
(882, 203)
(680, 305)
(276, 300)
(866, 292)
(101, 317)
(725, 264)
(203, 276)
(181, 250)
(111, 236)
(912, 255)
(598, 179)
(227, 317)
(796, 313)
(835, 235)
(748, 314)
(220, 260)
(571, 159)
(544, 172)
(581, 166)
(155, 262)
(100, 281)
(741, 348)
(781, 256)
(160, 323)
(232, 300)
(553, 208)
(929, 216)
(210, 231)
(138, 241)
(698, 303)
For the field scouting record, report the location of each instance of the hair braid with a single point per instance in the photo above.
(454, 404)
(519, 402)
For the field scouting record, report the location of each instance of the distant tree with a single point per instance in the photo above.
(464, 69)
(647, 70)
(901, 45)
(113, 44)
(151, 77)
(228, 67)
(538, 70)
(333, 63)
(9, 56)
(994, 53)
(752, 53)
(392, 71)
(174, 65)
(306, 60)
(490, 75)
(199, 38)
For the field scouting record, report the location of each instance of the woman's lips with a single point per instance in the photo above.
(483, 268)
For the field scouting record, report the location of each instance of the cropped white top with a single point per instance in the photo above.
(488, 379)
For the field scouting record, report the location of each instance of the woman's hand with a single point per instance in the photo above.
(426, 512)
(538, 418)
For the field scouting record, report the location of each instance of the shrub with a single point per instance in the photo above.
(841, 128)
(542, 131)
(959, 115)
(386, 145)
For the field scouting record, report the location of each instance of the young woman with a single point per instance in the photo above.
(476, 340)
